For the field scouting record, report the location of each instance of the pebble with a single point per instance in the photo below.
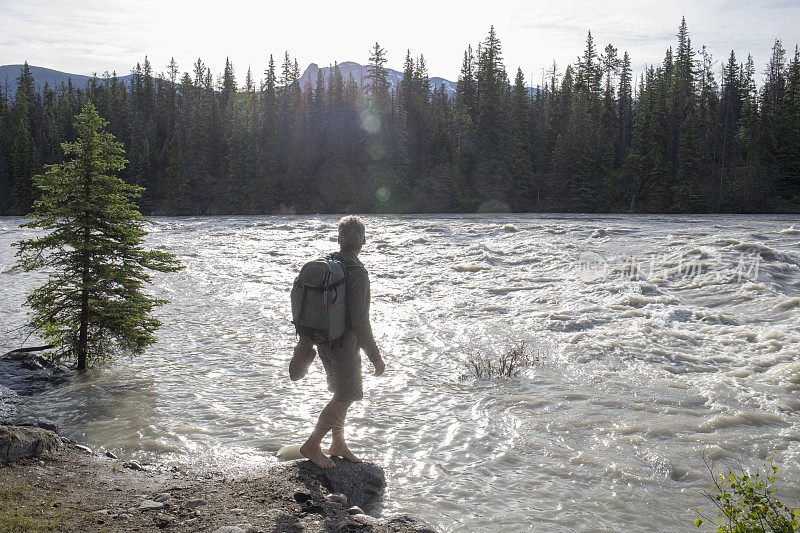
(367, 520)
(230, 529)
(110, 455)
(237, 511)
(150, 504)
(133, 465)
(338, 498)
(355, 510)
(101, 512)
(161, 497)
(163, 521)
(83, 448)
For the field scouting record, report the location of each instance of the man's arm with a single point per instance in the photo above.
(358, 306)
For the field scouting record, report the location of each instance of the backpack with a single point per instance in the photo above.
(318, 300)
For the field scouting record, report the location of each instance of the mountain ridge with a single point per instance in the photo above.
(9, 75)
(359, 73)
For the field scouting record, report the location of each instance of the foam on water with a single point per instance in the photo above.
(644, 369)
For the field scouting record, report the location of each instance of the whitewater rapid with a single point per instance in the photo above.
(663, 338)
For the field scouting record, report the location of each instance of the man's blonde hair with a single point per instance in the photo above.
(351, 233)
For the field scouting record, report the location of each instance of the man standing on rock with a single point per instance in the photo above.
(342, 358)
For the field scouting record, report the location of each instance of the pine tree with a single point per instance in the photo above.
(377, 81)
(590, 70)
(228, 84)
(492, 133)
(92, 306)
(466, 117)
(731, 102)
(5, 166)
(748, 137)
(625, 105)
(771, 107)
(520, 164)
(788, 156)
(25, 157)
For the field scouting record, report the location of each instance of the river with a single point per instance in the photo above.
(663, 339)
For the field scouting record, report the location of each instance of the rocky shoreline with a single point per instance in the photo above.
(48, 482)
(25, 373)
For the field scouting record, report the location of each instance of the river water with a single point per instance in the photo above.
(663, 339)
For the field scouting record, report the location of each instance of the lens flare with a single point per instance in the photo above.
(383, 194)
(370, 121)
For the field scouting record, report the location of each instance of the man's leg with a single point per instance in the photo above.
(339, 446)
(332, 416)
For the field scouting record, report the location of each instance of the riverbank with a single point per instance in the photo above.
(76, 489)
(50, 483)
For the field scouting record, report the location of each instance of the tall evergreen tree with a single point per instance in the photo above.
(25, 157)
(92, 306)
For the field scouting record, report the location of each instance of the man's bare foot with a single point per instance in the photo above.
(341, 450)
(315, 455)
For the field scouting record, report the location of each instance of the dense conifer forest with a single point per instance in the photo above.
(688, 135)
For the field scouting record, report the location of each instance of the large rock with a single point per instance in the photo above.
(21, 442)
(28, 373)
(360, 482)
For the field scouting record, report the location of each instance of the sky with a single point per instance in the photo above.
(94, 36)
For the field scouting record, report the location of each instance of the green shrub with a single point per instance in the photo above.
(746, 503)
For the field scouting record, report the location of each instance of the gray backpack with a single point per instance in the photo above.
(318, 306)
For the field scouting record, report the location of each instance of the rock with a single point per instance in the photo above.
(22, 442)
(28, 373)
(237, 511)
(101, 512)
(110, 455)
(84, 449)
(367, 520)
(192, 504)
(355, 510)
(406, 522)
(133, 465)
(359, 482)
(341, 499)
(163, 521)
(161, 497)
(148, 505)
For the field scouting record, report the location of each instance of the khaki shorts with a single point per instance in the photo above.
(343, 368)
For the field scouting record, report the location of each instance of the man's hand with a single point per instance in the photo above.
(380, 367)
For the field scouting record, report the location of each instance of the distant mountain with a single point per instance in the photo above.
(359, 73)
(9, 75)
